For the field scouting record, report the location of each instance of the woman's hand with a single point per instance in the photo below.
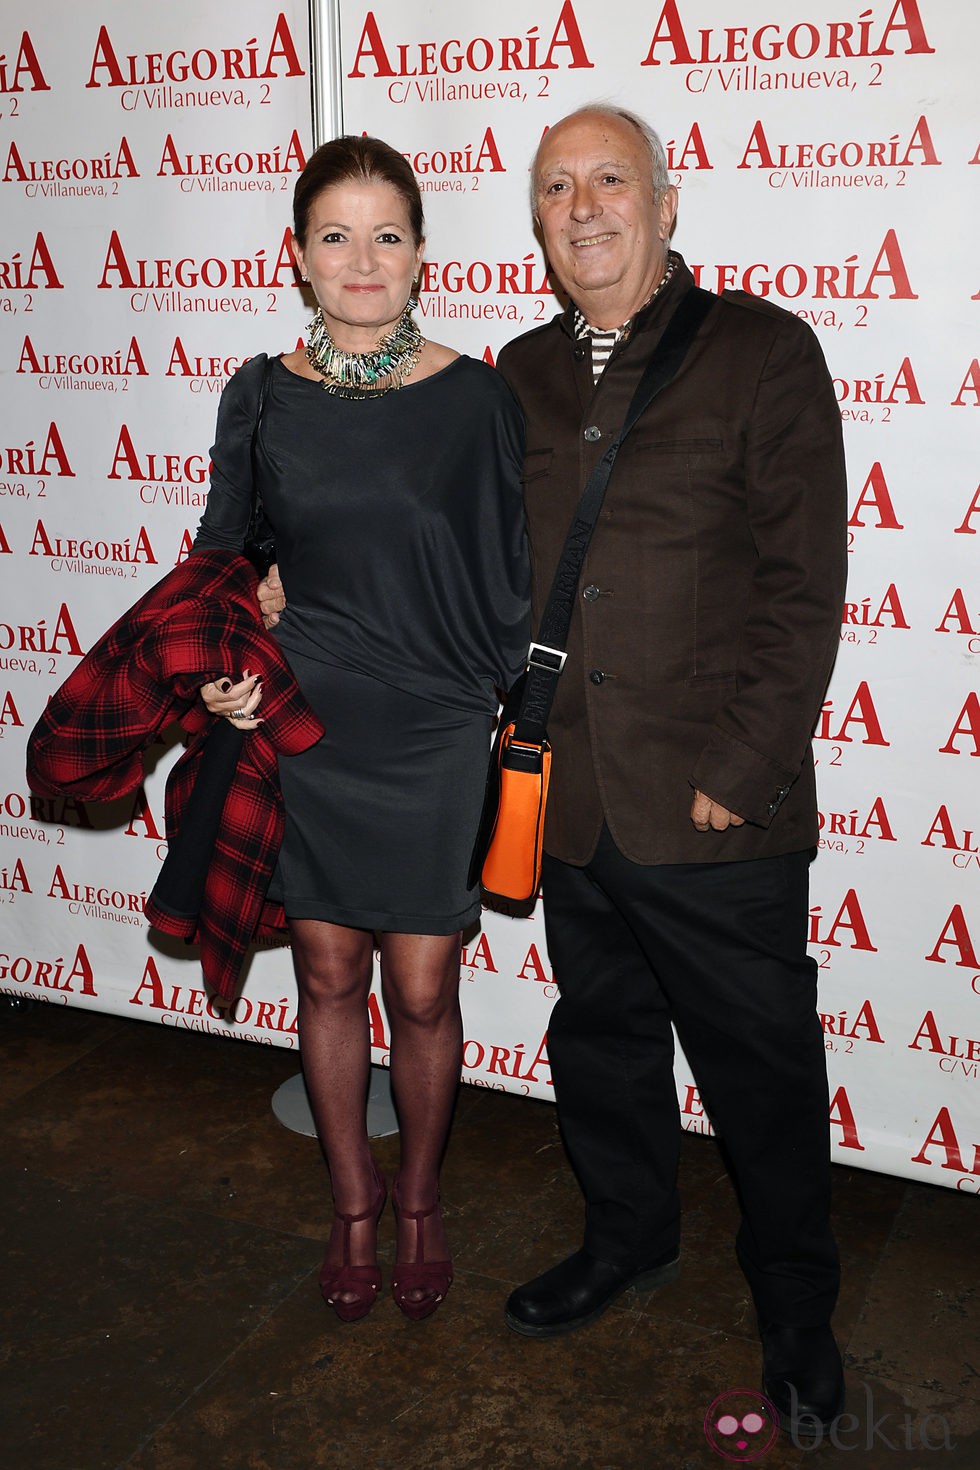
(235, 702)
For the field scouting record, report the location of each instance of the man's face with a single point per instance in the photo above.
(605, 234)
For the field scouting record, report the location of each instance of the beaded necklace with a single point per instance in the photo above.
(365, 374)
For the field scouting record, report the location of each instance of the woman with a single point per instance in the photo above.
(395, 500)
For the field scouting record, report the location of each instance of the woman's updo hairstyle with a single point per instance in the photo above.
(356, 159)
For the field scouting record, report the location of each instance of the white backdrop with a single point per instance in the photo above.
(825, 161)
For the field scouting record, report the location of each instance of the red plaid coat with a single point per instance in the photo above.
(200, 622)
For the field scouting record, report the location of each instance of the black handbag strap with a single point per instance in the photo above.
(256, 520)
(547, 654)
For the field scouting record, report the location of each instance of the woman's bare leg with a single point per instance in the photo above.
(420, 986)
(333, 967)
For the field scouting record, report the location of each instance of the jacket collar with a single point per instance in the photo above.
(653, 314)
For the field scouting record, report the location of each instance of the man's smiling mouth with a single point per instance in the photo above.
(592, 240)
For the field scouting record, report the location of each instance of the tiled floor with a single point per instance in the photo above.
(162, 1233)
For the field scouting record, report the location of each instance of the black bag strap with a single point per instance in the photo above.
(547, 654)
(258, 526)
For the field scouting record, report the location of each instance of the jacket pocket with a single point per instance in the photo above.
(712, 682)
(639, 445)
(537, 462)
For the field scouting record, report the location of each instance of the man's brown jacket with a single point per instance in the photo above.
(709, 608)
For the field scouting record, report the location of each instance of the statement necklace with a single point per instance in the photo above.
(365, 374)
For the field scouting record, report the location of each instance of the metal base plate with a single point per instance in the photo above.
(291, 1106)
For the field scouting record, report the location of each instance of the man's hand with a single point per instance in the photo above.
(272, 600)
(706, 813)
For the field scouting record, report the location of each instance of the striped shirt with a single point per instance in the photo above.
(603, 340)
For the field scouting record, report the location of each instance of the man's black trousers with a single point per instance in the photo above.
(720, 950)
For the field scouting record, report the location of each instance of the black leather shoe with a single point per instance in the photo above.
(578, 1291)
(803, 1378)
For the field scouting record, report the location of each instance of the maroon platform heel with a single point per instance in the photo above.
(434, 1278)
(364, 1282)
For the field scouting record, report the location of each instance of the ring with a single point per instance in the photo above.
(239, 714)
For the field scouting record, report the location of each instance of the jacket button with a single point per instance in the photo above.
(592, 433)
(591, 592)
(596, 676)
(778, 800)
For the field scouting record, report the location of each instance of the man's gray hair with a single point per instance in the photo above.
(658, 159)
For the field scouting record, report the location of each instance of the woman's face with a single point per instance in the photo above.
(361, 260)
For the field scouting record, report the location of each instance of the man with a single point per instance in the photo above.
(682, 814)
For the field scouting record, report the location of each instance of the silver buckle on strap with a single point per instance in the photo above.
(543, 657)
